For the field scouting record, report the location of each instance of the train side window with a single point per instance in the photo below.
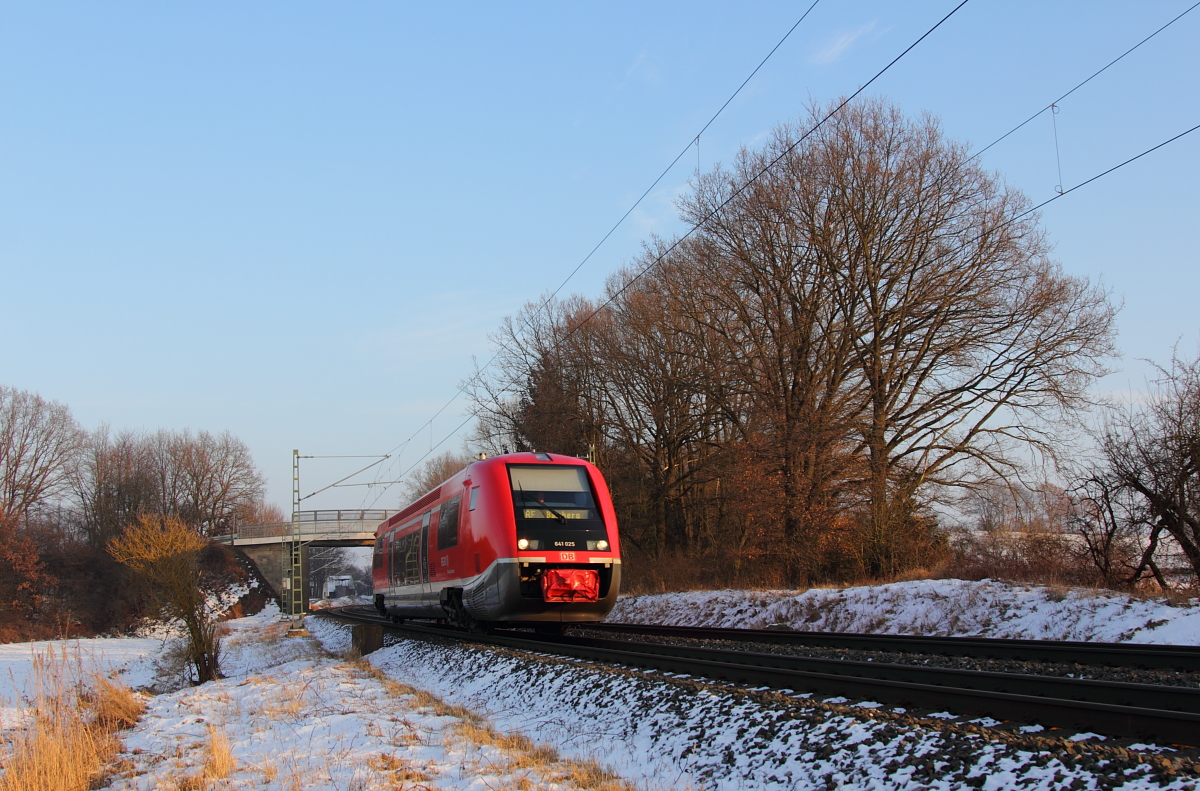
(397, 560)
(377, 556)
(474, 497)
(447, 526)
(412, 558)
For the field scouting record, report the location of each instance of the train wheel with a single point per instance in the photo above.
(481, 627)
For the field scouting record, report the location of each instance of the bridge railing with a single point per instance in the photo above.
(315, 523)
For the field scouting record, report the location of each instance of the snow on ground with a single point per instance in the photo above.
(297, 716)
(664, 732)
(131, 659)
(930, 607)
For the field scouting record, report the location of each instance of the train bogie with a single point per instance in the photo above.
(525, 537)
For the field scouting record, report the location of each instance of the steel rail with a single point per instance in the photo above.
(1173, 657)
(1161, 713)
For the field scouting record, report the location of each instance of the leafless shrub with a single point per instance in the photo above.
(167, 553)
(1143, 497)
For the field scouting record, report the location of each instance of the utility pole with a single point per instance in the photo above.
(293, 581)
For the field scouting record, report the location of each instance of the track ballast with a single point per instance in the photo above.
(1166, 714)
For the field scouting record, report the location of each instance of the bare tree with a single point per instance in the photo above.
(1153, 453)
(114, 483)
(540, 392)
(207, 480)
(39, 446)
(1117, 530)
(967, 341)
(260, 512)
(761, 294)
(649, 384)
(863, 320)
(435, 470)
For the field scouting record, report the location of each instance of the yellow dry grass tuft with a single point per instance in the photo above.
(591, 775)
(192, 783)
(288, 703)
(114, 706)
(218, 760)
(70, 737)
(398, 770)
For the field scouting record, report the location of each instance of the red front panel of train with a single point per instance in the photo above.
(570, 585)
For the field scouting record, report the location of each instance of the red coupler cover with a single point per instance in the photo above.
(570, 585)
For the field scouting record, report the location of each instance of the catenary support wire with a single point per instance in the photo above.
(621, 220)
(737, 192)
(980, 152)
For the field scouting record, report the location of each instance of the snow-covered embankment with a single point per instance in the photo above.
(930, 607)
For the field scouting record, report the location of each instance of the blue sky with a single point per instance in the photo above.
(300, 221)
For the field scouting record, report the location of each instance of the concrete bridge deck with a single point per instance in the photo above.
(342, 528)
(268, 546)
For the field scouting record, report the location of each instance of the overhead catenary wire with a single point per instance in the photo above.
(792, 147)
(762, 172)
(380, 460)
(1060, 192)
(693, 141)
(1088, 79)
(699, 224)
(1002, 225)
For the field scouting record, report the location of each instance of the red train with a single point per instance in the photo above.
(524, 537)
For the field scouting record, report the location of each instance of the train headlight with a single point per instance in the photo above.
(522, 543)
(602, 545)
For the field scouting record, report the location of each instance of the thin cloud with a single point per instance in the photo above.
(835, 48)
(644, 67)
(637, 62)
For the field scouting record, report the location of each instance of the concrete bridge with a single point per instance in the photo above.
(274, 548)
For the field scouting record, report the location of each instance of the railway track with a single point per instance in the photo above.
(1165, 714)
(1171, 657)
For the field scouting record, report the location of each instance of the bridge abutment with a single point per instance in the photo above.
(268, 547)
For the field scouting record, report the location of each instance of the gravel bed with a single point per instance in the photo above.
(660, 731)
(1131, 675)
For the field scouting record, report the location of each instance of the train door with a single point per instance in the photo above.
(378, 569)
(425, 557)
(395, 562)
(447, 553)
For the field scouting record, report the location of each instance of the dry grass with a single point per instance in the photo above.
(421, 698)
(398, 770)
(70, 738)
(523, 755)
(113, 705)
(191, 783)
(218, 759)
(591, 775)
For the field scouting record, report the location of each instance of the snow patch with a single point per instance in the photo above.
(948, 608)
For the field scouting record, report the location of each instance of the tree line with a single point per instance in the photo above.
(863, 340)
(66, 495)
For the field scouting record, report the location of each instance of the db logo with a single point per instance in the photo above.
(566, 557)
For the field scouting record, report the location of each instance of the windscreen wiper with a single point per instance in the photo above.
(562, 520)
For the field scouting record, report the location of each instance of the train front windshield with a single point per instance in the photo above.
(556, 508)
